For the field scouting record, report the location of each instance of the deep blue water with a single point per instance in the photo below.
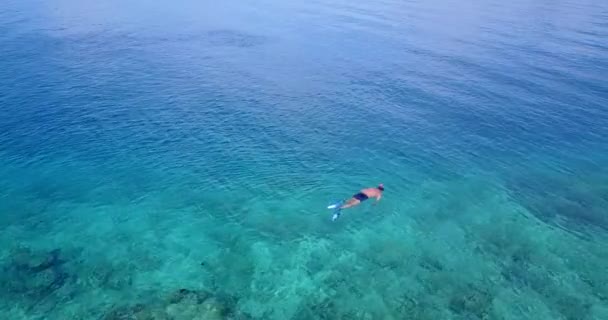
(152, 146)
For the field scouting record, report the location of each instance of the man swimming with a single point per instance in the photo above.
(357, 199)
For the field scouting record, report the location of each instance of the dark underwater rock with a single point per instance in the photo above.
(430, 263)
(30, 284)
(182, 304)
(213, 309)
(35, 261)
(137, 312)
(323, 309)
(209, 309)
(473, 301)
(190, 296)
(573, 308)
(33, 274)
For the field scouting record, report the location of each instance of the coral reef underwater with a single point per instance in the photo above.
(450, 259)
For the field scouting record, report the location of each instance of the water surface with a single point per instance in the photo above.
(153, 146)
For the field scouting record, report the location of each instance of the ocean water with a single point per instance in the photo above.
(173, 159)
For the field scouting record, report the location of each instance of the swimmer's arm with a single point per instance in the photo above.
(378, 197)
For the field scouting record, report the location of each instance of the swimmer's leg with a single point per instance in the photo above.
(337, 210)
(342, 205)
(350, 203)
(336, 205)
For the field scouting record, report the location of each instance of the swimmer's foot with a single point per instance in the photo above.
(336, 205)
(335, 216)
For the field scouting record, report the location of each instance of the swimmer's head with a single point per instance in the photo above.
(381, 187)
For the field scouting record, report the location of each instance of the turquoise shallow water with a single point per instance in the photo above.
(173, 160)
